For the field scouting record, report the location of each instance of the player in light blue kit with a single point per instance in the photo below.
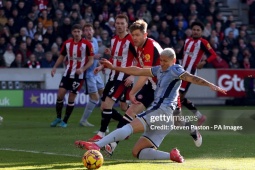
(94, 84)
(169, 76)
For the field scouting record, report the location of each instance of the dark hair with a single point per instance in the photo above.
(122, 16)
(87, 25)
(139, 24)
(76, 26)
(198, 23)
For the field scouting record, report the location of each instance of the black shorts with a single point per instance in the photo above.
(72, 84)
(114, 90)
(125, 95)
(146, 95)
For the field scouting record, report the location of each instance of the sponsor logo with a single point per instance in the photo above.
(228, 82)
(147, 57)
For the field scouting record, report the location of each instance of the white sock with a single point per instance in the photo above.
(116, 135)
(88, 109)
(102, 134)
(198, 114)
(153, 154)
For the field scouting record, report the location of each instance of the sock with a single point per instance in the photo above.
(116, 115)
(59, 107)
(153, 154)
(198, 114)
(69, 110)
(125, 120)
(189, 105)
(116, 135)
(106, 117)
(88, 109)
(189, 125)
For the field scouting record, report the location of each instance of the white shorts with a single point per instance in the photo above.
(157, 124)
(93, 84)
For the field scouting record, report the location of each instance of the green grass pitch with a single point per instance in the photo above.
(28, 142)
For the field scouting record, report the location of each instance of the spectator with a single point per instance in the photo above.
(101, 46)
(39, 52)
(219, 62)
(45, 19)
(10, 24)
(30, 45)
(144, 14)
(23, 51)
(89, 15)
(110, 26)
(207, 30)
(250, 56)
(8, 56)
(131, 14)
(3, 19)
(106, 40)
(30, 30)
(154, 32)
(32, 62)
(234, 63)
(8, 8)
(236, 52)
(42, 4)
(74, 16)
(246, 63)
(17, 63)
(48, 61)
(54, 51)
(232, 28)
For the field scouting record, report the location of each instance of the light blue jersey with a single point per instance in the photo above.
(168, 85)
(90, 70)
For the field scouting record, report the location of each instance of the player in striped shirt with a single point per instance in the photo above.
(122, 54)
(79, 53)
(153, 127)
(191, 55)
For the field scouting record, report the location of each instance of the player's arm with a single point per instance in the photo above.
(200, 81)
(209, 52)
(133, 70)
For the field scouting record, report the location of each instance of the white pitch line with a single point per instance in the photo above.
(37, 152)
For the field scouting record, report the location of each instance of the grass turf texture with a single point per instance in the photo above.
(28, 142)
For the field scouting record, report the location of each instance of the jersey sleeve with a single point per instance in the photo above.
(177, 70)
(148, 54)
(210, 53)
(63, 50)
(89, 49)
(154, 70)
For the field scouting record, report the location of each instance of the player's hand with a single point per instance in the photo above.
(79, 71)
(216, 88)
(106, 63)
(53, 71)
(97, 56)
(133, 99)
(97, 69)
(201, 64)
(107, 51)
(129, 80)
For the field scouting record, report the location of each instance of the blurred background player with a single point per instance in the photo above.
(79, 53)
(94, 84)
(122, 54)
(191, 54)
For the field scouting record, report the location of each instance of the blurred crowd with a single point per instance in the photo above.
(32, 31)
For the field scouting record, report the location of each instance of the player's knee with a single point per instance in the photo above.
(123, 107)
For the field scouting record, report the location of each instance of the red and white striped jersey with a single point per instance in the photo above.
(149, 55)
(123, 54)
(193, 51)
(77, 54)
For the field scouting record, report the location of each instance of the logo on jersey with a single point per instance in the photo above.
(140, 96)
(119, 58)
(81, 48)
(147, 57)
(208, 46)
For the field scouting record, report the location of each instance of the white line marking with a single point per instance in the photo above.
(37, 152)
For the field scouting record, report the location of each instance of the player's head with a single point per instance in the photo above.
(197, 29)
(76, 32)
(139, 32)
(88, 31)
(167, 58)
(121, 24)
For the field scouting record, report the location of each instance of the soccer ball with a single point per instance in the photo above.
(1, 119)
(93, 159)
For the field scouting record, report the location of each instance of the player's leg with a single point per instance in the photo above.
(188, 104)
(146, 147)
(60, 101)
(112, 93)
(135, 126)
(180, 120)
(91, 89)
(74, 85)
